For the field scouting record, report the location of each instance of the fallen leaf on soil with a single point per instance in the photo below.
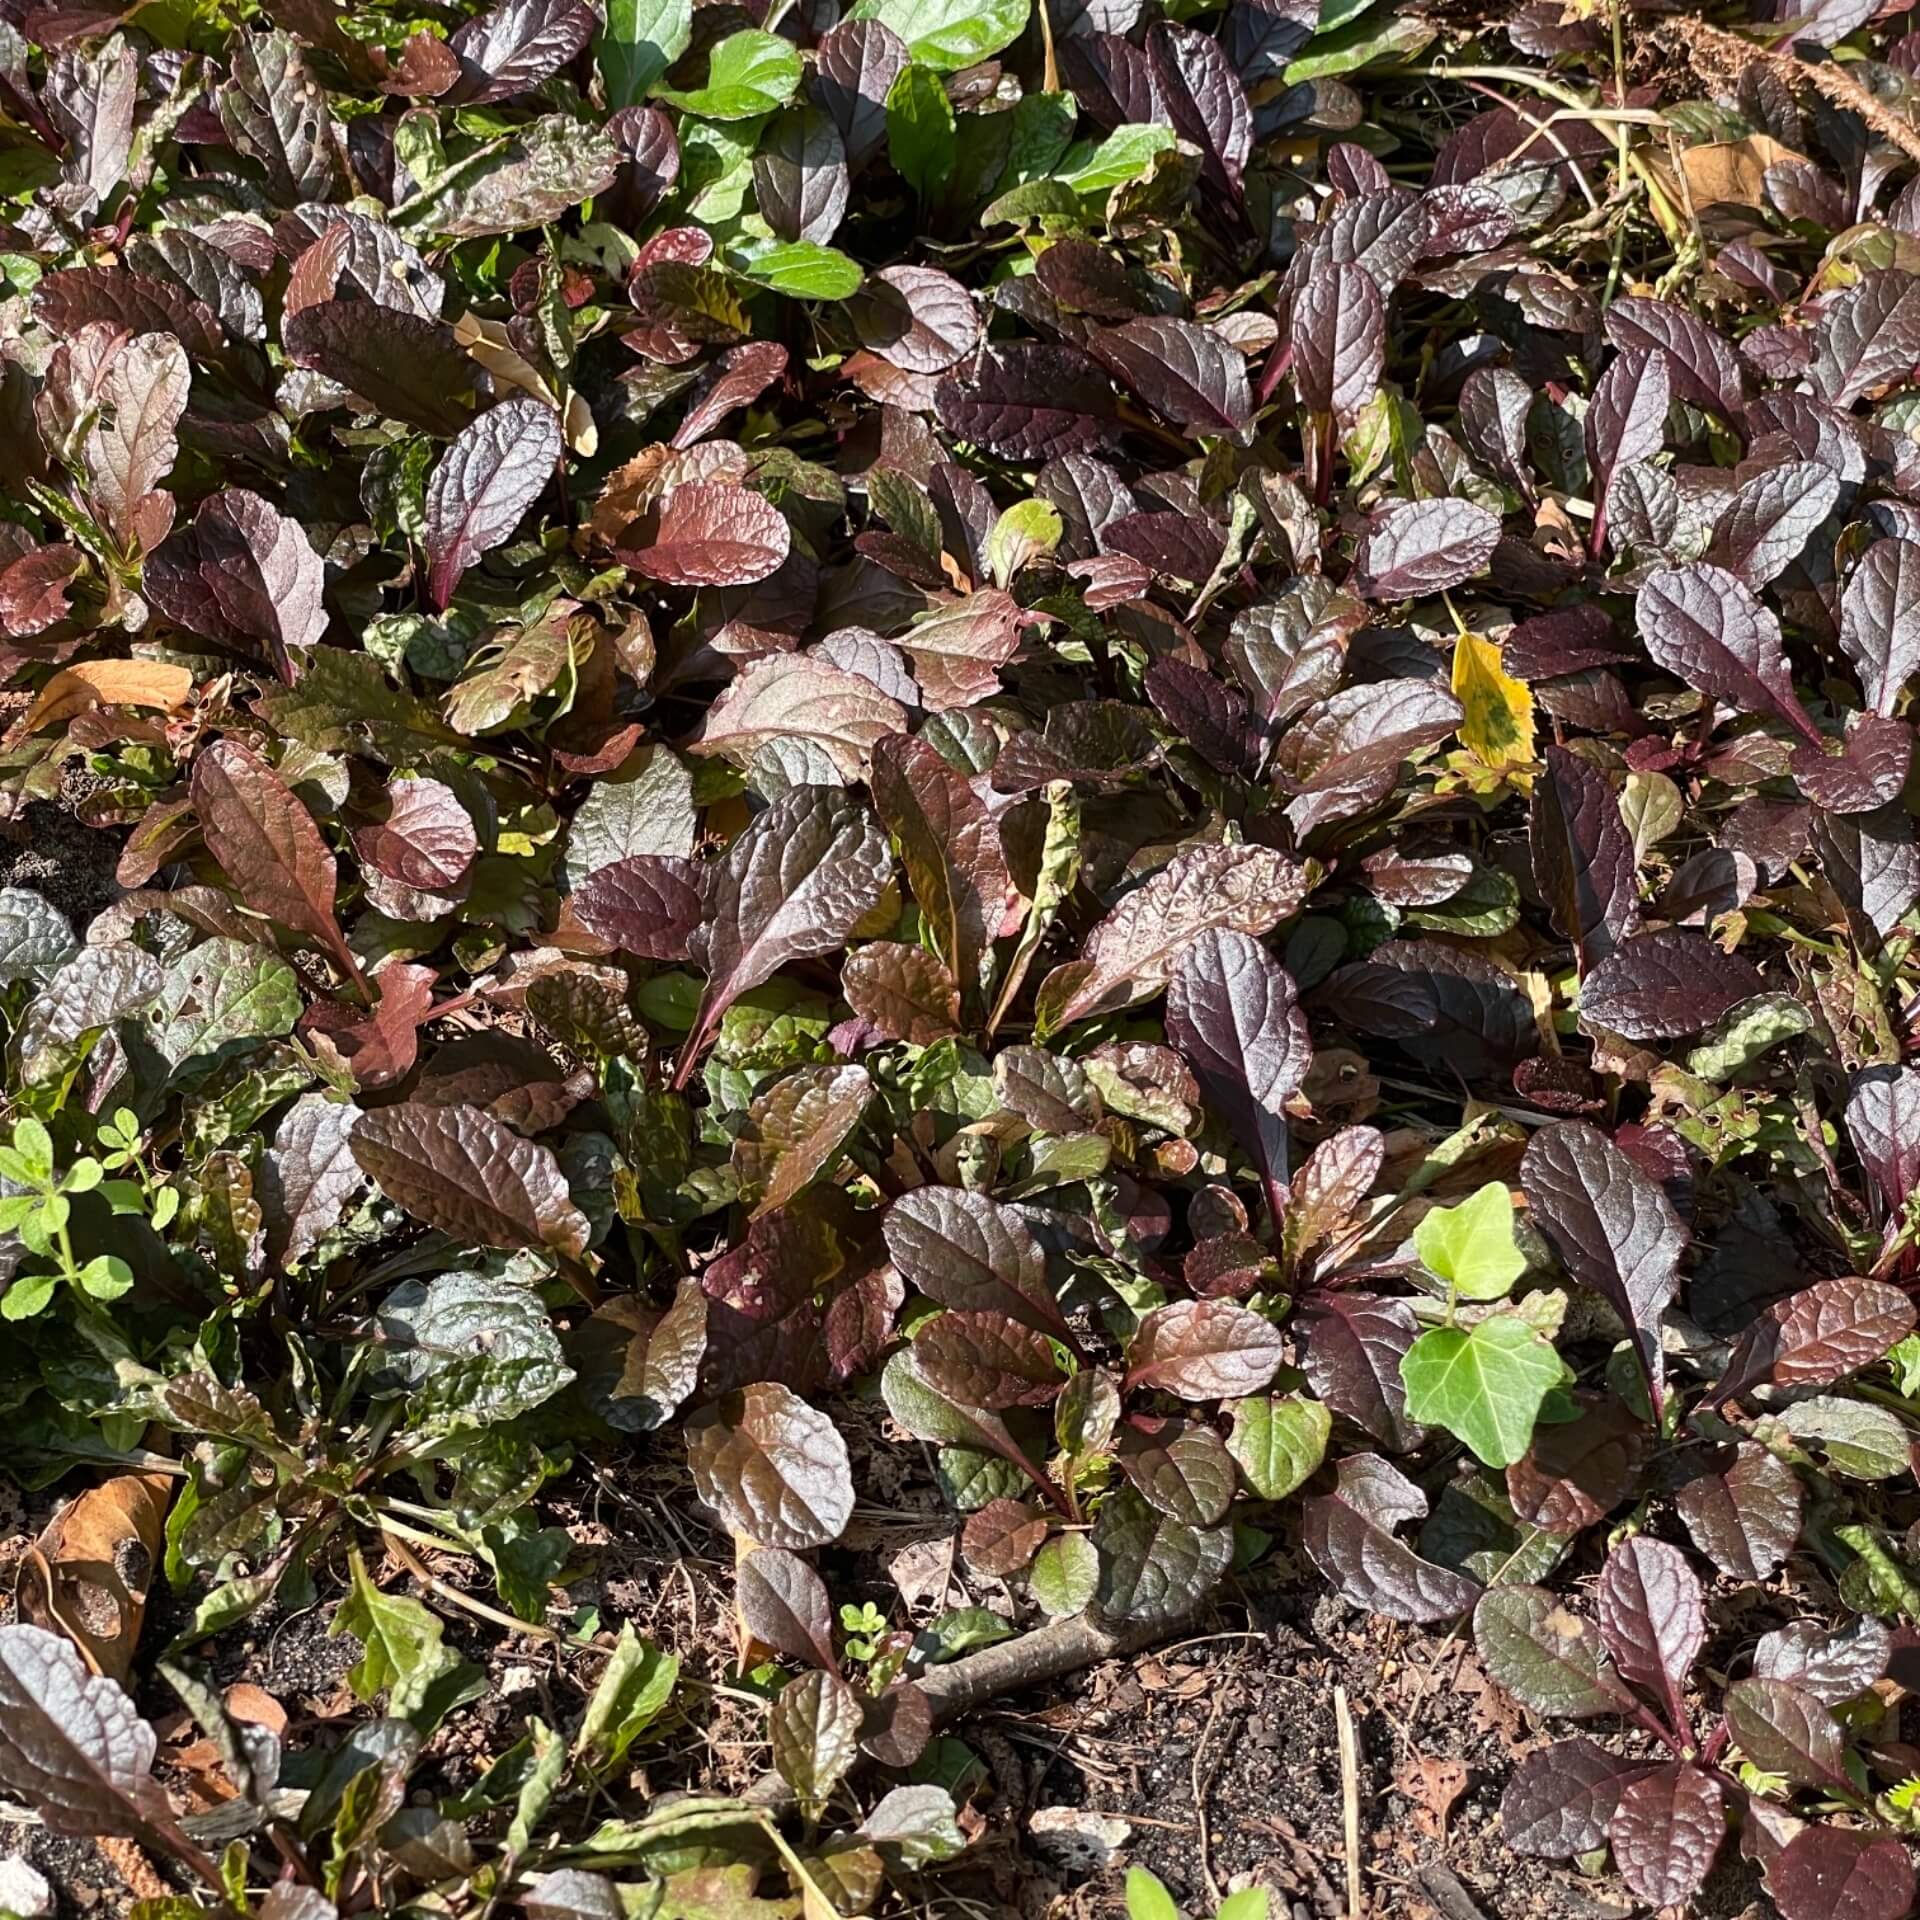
(87, 1575)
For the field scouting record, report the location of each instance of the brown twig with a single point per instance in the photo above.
(1350, 1800)
(1047, 1653)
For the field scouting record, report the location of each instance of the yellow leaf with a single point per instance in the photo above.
(1498, 727)
(96, 683)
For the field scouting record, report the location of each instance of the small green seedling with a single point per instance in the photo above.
(40, 1215)
(1148, 1899)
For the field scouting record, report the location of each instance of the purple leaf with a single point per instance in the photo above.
(1232, 1010)
(495, 469)
(1842, 1873)
(1029, 402)
(1561, 1798)
(1204, 100)
(1424, 546)
(1583, 856)
(1746, 1517)
(1613, 1227)
(1880, 620)
(1667, 1832)
(1189, 375)
(1350, 1538)
(1705, 626)
(1351, 1348)
(1339, 340)
(1648, 1604)
(1657, 985)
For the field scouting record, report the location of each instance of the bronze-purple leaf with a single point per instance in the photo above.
(799, 879)
(1658, 985)
(245, 577)
(647, 905)
(1614, 1228)
(268, 845)
(1842, 1873)
(1351, 1538)
(774, 1469)
(714, 536)
(1423, 546)
(461, 1170)
(1233, 1011)
(1204, 1350)
(1583, 856)
(1667, 1831)
(1188, 375)
(399, 363)
(496, 468)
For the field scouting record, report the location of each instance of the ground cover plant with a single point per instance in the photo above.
(1139, 772)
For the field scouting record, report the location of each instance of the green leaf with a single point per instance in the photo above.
(1064, 1574)
(34, 1144)
(1125, 154)
(1393, 36)
(1471, 1246)
(1277, 1444)
(1027, 530)
(1484, 1386)
(802, 270)
(748, 73)
(28, 1295)
(640, 41)
(921, 138)
(406, 1657)
(947, 35)
(633, 1691)
(222, 993)
(1251, 1903)
(1148, 1898)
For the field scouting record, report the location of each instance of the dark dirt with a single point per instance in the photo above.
(1221, 1750)
(61, 858)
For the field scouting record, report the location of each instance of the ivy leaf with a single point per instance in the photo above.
(1484, 1385)
(1471, 1247)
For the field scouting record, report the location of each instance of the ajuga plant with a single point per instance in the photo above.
(1141, 770)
